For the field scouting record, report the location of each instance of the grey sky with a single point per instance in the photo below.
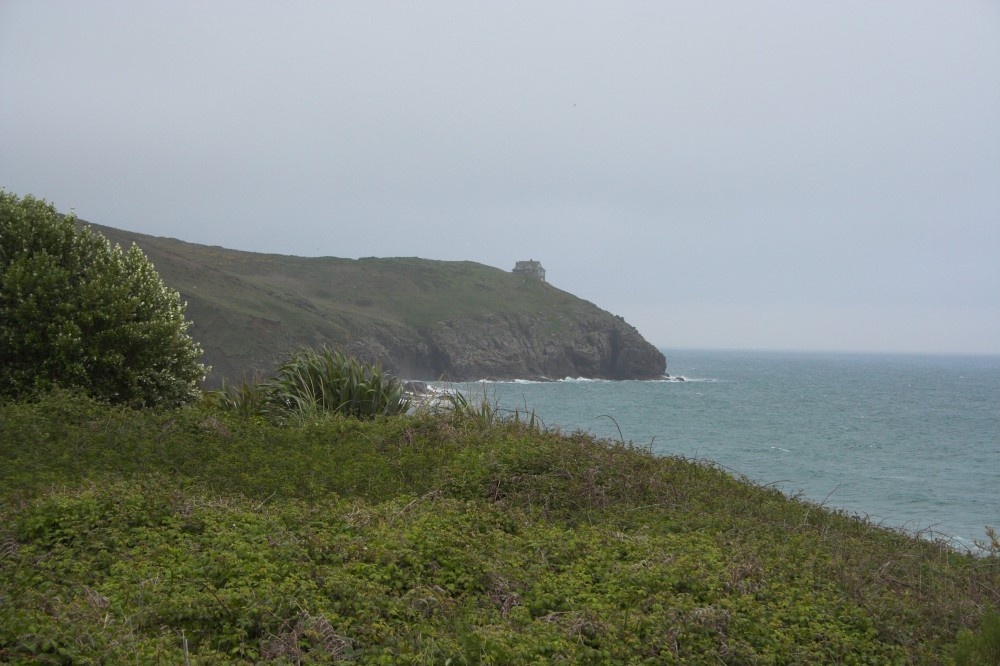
(767, 174)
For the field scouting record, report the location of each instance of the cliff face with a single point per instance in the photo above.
(596, 345)
(420, 319)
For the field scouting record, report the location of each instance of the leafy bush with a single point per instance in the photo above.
(77, 312)
(312, 383)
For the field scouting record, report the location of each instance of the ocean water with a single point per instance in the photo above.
(909, 441)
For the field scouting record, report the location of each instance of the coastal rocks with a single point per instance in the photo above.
(588, 343)
(595, 345)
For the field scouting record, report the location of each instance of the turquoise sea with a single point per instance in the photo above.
(908, 441)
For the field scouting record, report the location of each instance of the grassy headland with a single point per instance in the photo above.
(193, 536)
(422, 319)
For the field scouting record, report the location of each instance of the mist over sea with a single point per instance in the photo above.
(910, 441)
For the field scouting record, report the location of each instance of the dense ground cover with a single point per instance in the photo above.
(193, 536)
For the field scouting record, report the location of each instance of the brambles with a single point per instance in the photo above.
(158, 535)
(76, 312)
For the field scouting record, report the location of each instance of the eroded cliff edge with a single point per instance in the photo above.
(511, 346)
(419, 318)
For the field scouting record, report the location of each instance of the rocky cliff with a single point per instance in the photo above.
(508, 346)
(420, 319)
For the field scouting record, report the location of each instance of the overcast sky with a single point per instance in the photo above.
(817, 175)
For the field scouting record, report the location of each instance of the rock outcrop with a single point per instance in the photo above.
(494, 346)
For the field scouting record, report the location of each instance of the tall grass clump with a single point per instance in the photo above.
(312, 383)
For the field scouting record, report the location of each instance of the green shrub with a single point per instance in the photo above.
(76, 312)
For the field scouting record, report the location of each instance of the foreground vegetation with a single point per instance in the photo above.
(306, 518)
(202, 536)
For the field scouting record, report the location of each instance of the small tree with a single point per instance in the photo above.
(77, 312)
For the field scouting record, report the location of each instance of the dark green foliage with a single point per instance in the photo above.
(77, 312)
(201, 537)
(982, 647)
(313, 383)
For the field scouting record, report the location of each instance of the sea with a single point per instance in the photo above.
(911, 442)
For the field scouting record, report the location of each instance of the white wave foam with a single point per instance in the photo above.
(672, 379)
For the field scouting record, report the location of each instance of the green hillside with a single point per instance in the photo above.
(195, 537)
(249, 309)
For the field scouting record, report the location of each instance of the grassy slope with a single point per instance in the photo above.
(253, 306)
(138, 537)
